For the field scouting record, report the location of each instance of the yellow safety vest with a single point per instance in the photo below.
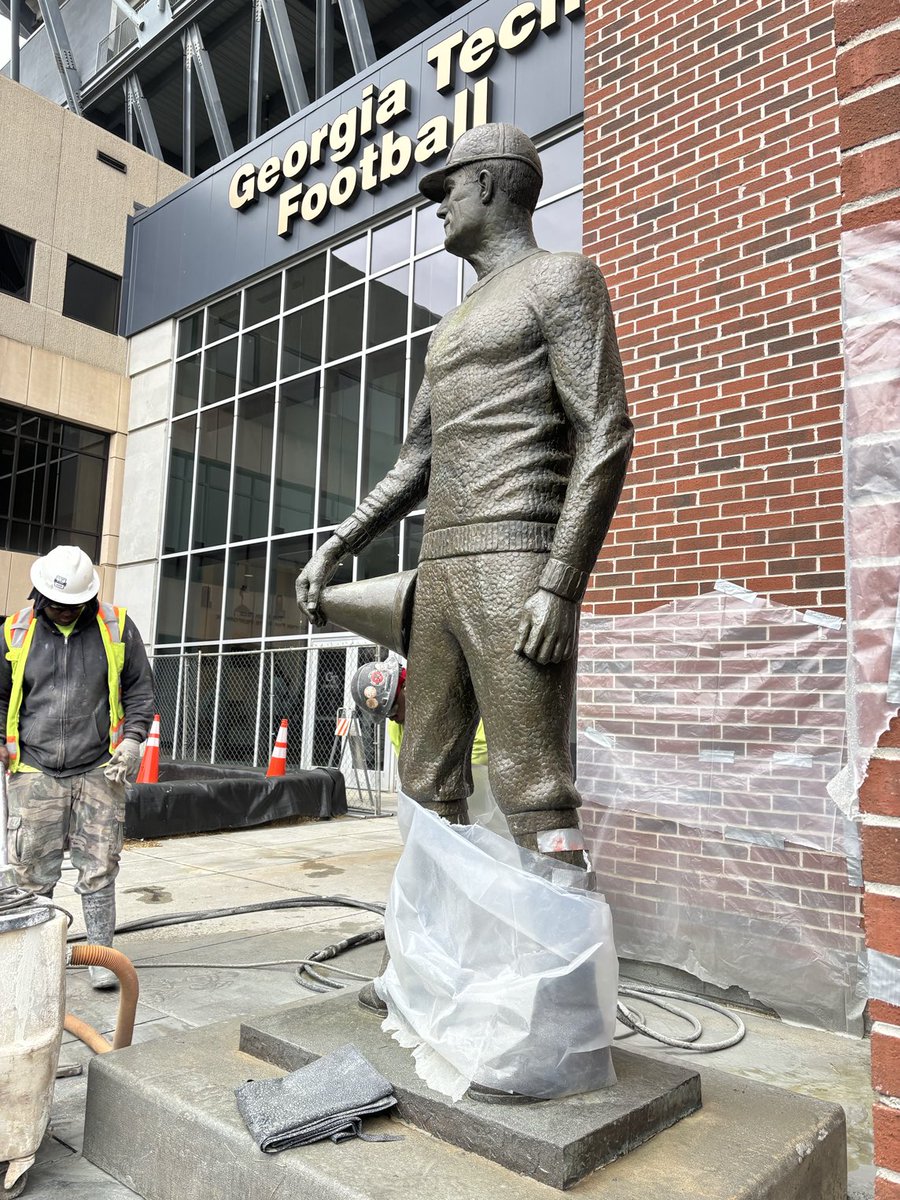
(19, 633)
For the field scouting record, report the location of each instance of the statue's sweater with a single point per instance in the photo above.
(519, 435)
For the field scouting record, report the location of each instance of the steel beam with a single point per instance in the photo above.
(286, 57)
(27, 20)
(142, 114)
(15, 17)
(209, 90)
(254, 101)
(359, 35)
(127, 11)
(324, 47)
(62, 52)
(129, 116)
(187, 109)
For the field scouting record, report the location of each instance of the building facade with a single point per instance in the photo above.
(68, 190)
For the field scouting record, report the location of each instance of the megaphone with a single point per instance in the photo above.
(379, 609)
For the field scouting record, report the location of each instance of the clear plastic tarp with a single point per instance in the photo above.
(870, 284)
(711, 742)
(503, 968)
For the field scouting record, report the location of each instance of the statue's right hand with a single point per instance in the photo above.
(315, 575)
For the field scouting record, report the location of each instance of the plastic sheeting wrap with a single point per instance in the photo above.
(870, 285)
(711, 733)
(503, 968)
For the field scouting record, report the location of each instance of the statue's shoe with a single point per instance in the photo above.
(368, 999)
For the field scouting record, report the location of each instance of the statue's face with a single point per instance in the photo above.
(463, 212)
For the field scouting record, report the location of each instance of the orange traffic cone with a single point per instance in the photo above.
(278, 761)
(149, 770)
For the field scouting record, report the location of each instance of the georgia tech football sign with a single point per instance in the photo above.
(467, 54)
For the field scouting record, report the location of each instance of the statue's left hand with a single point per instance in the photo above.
(547, 628)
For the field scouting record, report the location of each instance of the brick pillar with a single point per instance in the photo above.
(868, 77)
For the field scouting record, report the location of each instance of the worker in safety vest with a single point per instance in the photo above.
(379, 689)
(76, 697)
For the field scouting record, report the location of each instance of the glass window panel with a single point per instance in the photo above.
(388, 306)
(380, 557)
(295, 457)
(204, 604)
(190, 333)
(344, 574)
(283, 693)
(262, 301)
(390, 244)
(301, 342)
(435, 289)
(348, 263)
(79, 487)
(9, 420)
(418, 348)
(429, 230)
(259, 356)
(563, 164)
(289, 557)
(15, 264)
(33, 426)
(187, 385)
(213, 470)
(304, 282)
(7, 459)
(345, 313)
(170, 607)
(223, 317)
(245, 593)
(252, 467)
(73, 437)
(220, 372)
(91, 295)
(181, 480)
(340, 435)
(557, 226)
(413, 545)
(383, 424)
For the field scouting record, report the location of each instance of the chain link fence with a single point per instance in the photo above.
(225, 708)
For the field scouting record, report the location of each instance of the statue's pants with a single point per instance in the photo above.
(463, 662)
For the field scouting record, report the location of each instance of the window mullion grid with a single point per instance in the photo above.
(363, 375)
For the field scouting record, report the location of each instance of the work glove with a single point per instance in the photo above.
(124, 761)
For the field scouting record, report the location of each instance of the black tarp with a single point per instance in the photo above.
(190, 798)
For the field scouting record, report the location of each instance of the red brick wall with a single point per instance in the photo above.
(712, 204)
(869, 84)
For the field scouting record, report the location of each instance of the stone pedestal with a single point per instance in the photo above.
(162, 1119)
(554, 1141)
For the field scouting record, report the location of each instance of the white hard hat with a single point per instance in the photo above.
(65, 575)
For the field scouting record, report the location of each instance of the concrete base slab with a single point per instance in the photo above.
(555, 1141)
(161, 1118)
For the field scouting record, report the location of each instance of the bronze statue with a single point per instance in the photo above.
(519, 437)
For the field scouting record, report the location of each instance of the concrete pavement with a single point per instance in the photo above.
(346, 857)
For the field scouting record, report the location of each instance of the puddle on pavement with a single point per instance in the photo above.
(151, 894)
(317, 869)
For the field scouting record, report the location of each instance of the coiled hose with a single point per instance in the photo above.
(309, 976)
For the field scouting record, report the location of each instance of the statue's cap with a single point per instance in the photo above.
(478, 145)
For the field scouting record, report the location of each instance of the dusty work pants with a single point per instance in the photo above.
(84, 812)
(462, 662)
